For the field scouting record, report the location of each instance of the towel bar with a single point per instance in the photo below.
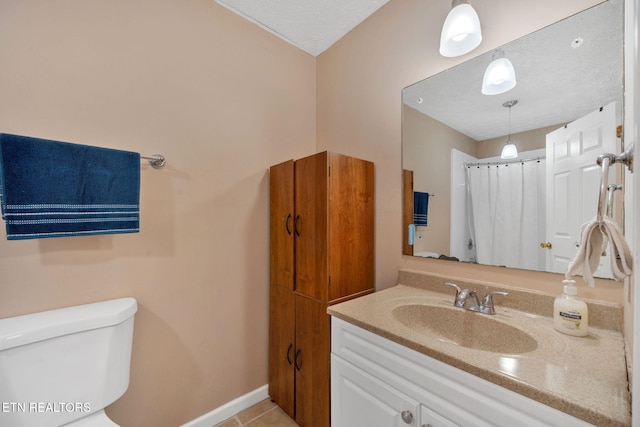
(157, 161)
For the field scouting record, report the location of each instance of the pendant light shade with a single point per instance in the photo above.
(500, 76)
(509, 151)
(461, 31)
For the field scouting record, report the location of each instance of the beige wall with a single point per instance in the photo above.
(223, 100)
(359, 106)
(524, 141)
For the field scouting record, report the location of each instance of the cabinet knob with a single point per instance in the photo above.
(407, 416)
(546, 245)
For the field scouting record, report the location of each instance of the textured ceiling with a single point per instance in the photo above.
(311, 25)
(559, 78)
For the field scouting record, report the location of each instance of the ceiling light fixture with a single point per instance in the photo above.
(509, 151)
(461, 31)
(500, 76)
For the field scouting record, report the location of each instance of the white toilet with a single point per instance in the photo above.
(63, 367)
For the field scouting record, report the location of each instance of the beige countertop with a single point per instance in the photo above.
(584, 377)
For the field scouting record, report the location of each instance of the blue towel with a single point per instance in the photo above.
(420, 208)
(55, 189)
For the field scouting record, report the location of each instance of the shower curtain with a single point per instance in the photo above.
(507, 213)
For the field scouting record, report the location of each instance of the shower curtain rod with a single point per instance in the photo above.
(504, 162)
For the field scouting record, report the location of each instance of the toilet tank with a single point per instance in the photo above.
(61, 365)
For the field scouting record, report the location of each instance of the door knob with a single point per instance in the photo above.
(407, 416)
(547, 245)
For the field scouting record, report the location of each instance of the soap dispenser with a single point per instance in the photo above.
(570, 315)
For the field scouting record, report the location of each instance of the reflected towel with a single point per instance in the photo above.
(587, 259)
(420, 208)
(54, 189)
(412, 234)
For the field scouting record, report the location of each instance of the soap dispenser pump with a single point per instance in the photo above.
(570, 315)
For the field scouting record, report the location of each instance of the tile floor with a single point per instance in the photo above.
(263, 414)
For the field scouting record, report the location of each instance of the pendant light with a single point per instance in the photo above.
(509, 151)
(461, 31)
(500, 76)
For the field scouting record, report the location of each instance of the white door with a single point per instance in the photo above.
(360, 400)
(573, 182)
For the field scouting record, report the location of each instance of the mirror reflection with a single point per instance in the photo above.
(463, 202)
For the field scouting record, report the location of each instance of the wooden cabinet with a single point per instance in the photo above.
(313, 342)
(281, 223)
(407, 210)
(321, 253)
(281, 347)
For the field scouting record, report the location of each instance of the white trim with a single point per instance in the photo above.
(264, 27)
(230, 409)
(632, 134)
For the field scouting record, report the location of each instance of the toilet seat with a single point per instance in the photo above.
(99, 419)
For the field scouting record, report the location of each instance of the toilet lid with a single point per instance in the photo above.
(99, 419)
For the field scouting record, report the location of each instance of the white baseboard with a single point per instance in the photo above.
(229, 409)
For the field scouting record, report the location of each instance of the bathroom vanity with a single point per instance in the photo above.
(406, 356)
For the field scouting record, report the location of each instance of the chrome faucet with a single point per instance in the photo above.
(468, 299)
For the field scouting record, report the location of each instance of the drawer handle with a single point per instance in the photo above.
(427, 425)
(407, 416)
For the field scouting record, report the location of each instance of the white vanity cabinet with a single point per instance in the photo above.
(378, 382)
(432, 419)
(362, 400)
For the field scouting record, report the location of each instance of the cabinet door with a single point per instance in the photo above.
(281, 347)
(432, 419)
(312, 363)
(281, 223)
(351, 226)
(311, 226)
(360, 400)
(407, 210)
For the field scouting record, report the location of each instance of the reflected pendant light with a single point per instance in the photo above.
(509, 151)
(461, 31)
(500, 76)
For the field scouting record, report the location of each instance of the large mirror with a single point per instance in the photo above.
(463, 202)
